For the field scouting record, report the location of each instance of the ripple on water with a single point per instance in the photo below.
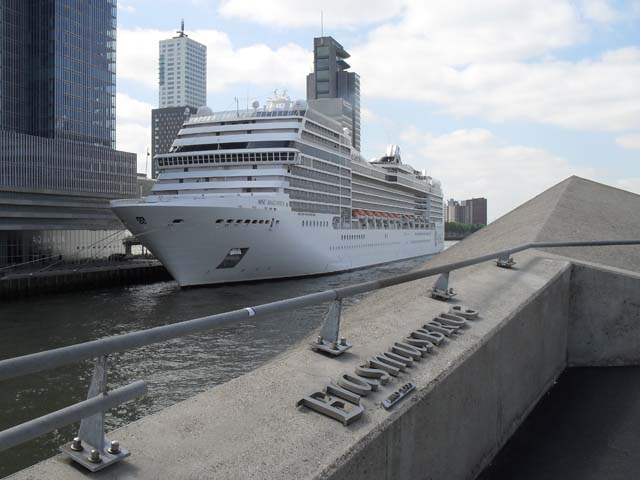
(174, 370)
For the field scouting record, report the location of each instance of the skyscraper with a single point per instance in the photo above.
(58, 166)
(182, 72)
(331, 80)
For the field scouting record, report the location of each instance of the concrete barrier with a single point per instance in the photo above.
(604, 317)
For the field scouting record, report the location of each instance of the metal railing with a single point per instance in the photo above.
(91, 412)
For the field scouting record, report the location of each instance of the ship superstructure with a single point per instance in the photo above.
(280, 191)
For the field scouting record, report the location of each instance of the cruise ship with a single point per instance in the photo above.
(280, 191)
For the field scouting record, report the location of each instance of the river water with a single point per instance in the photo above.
(173, 370)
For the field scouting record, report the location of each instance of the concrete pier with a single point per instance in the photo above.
(578, 306)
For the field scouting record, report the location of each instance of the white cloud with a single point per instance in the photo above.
(368, 115)
(600, 11)
(133, 127)
(630, 184)
(299, 13)
(495, 60)
(260, 65)
(126, 8)
(630, 141)
(476, 163)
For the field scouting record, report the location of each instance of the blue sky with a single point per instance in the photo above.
(497, 98)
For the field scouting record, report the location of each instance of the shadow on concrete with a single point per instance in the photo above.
(586, 427)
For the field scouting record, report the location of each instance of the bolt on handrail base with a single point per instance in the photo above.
(329, 340)
(93, 458)
(441, 290)
(91, 448)
(505, 261)
(332, 348)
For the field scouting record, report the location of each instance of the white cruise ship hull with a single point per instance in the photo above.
(195, 241)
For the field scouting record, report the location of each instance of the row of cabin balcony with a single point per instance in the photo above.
(205, 172)
(220, 186)
(387, 200)
(219, 127)
(413, 186)
(408, 210)
(375, 190)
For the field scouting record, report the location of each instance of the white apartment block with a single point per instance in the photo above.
(182, 72)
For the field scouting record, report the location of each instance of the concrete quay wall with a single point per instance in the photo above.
(455, 427)
(82, 278)
(471, 394)
(604, 320)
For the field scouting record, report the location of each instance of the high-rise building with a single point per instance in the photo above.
(58, 166)
(183, 88)
(330, 80)
(472, 211)
(182, 72)
(165, 125)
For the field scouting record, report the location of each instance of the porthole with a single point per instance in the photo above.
(254, 222)
(261, 222)
(219, 220)
(229, 221)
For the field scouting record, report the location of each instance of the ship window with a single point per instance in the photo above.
(238, 221)
(229, 221)
(219, 220)
(277, 222)
(261, 222)
(254, 222)
(247, 221)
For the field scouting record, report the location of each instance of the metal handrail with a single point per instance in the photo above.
(50, 359)
(39, 426)
(91, 411)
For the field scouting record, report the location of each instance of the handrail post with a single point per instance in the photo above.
(441, 290)
(329, 340)
(91, 448)
(505, 260)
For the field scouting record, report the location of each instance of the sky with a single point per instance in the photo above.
(496, 98)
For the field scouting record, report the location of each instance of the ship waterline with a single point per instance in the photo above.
(238, 238)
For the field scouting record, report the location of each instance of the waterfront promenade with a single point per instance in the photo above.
(555, 308)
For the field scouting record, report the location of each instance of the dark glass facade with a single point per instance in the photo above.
(58, 69)
(58, 165)
(330, 79)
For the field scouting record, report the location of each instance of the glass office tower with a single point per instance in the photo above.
(332, 80)
(58, 165)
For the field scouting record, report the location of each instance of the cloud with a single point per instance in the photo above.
(133, 127)
(496, 60)
(600, 11)
(476, 163)
(285, 66)
(630, 141)
(301, 13)
(126, 8)
(630, 184)
(368, 115)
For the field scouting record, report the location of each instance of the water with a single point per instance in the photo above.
(173, 370)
